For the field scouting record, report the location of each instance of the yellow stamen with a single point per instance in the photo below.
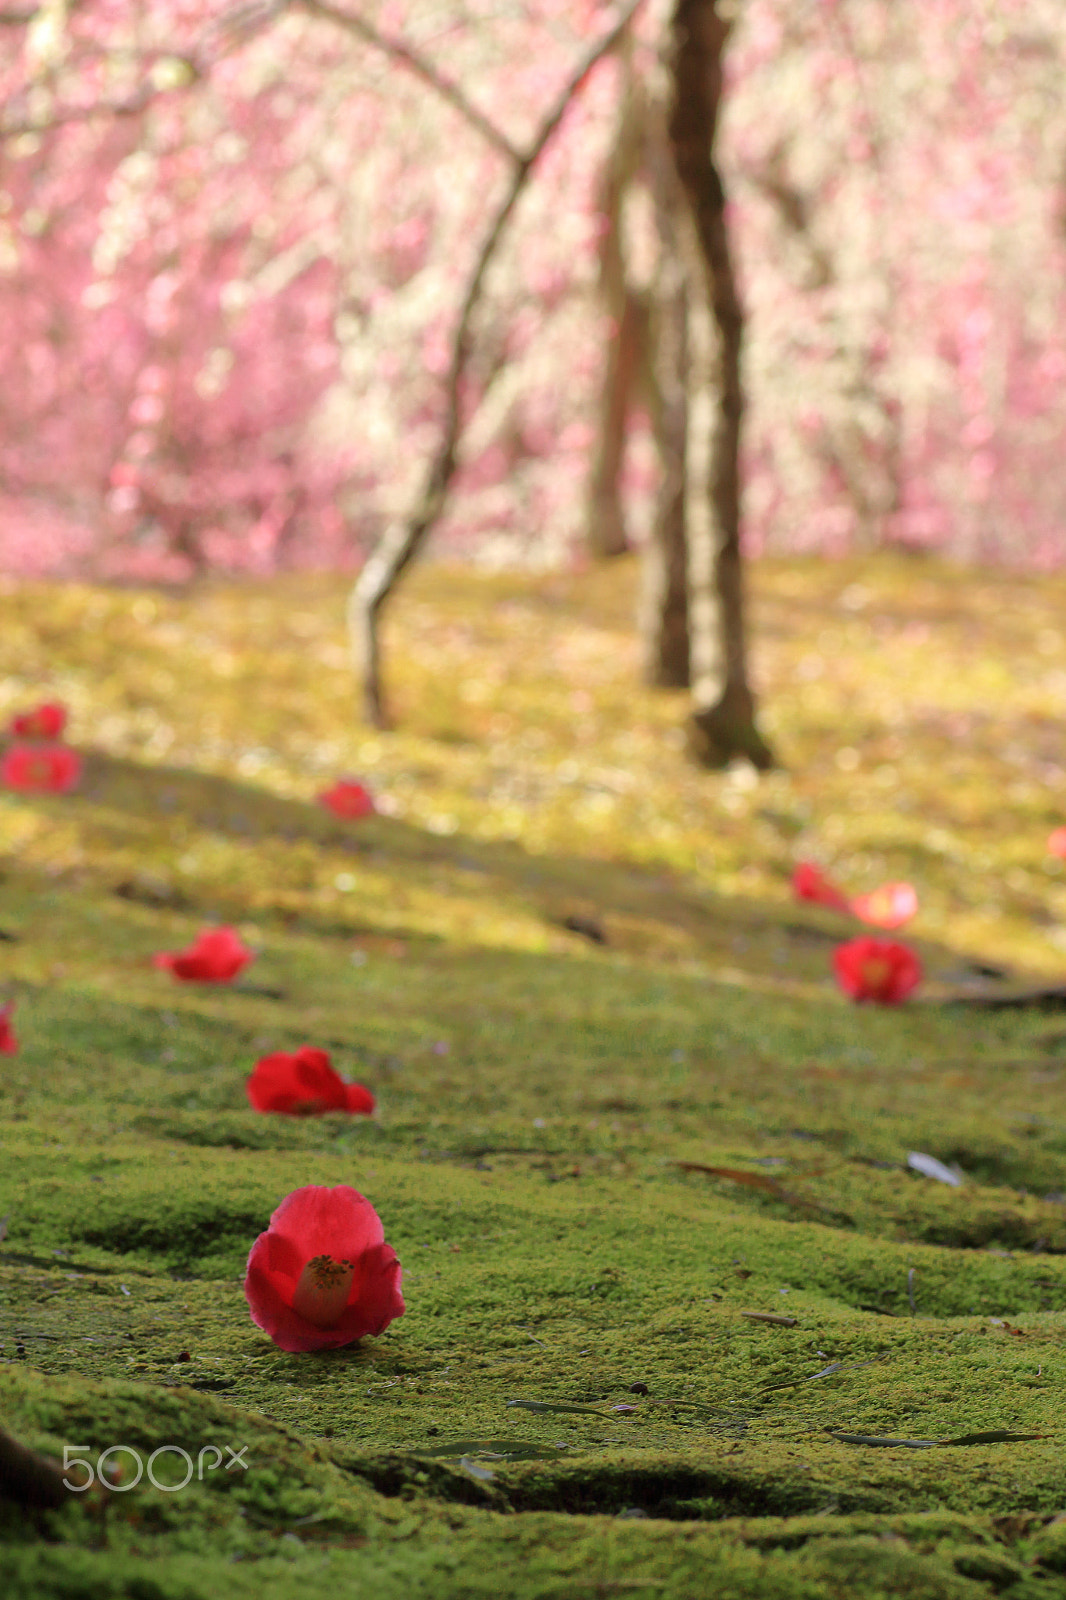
(322, 1292)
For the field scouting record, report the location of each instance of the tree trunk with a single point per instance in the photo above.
(664, 608)
(723, 722)
(606, 534)
(605, 525)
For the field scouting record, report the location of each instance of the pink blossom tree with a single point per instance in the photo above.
(235, 244)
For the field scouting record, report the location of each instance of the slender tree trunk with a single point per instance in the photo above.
(606, 535)
(664, 608)
(723, 722)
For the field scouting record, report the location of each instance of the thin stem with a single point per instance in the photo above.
(421, 67)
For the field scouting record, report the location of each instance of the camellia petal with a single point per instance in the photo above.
(40, 768)
(359, 1100)
(8, 1043)
(876, 969)
(322, 1276)
(810, 883)
(216, 955)
(304, 1084)
(45, 721)
(889, 906)
(348, 799)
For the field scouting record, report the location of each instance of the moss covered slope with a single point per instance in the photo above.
(619, 1370)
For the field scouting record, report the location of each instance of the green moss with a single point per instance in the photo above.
(548, 1105)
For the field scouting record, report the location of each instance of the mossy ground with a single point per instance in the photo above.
(539, 1094)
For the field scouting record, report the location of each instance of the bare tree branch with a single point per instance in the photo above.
(399, 545)
(224, 34)
(424, 69)
(132, 106)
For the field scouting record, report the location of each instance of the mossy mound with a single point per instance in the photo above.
(681, 1318)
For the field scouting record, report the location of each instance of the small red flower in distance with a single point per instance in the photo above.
(889, 906)
(8, 1043)
(347, 799)
(40, 768)
(1057, 843)
(216, 955)
(322, 1275)
(810, 883)
(876, 969)
(304, 1084)
(45, 721)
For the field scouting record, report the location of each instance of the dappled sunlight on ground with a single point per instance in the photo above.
(918, 718)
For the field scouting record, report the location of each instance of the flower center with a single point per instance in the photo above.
(875, 972)
(322, 1292)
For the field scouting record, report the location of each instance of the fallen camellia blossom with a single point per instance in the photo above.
(889, 906)
(303, 1085)
(322, 1275)
(348, 799)
(40, 768)
(8, 1043)
(876, 969)
(216, 955)
(45, 721)
(1057, 843)
(810, 883)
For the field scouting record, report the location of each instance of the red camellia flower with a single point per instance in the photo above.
(322, 1274)
(876, 969)
(45, 721)
(810, 883)
(304, 1084)
(347, 799)
(1057, 843)
(8, 1043)
(889, 906)
(216, 955)
(40, 768)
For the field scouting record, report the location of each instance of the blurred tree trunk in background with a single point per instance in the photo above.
(646, 364)
(626, 354)
(628, 312)
(723, 721)
(664, 607)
